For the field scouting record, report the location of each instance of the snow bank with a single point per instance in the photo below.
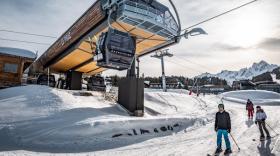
(174, 102)
(259, 97)
(43, 119)
(26, 103)
(70, 135)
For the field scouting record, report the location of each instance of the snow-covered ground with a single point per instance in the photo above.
(37, 120)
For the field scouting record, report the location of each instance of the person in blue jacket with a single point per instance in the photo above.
(223, 127)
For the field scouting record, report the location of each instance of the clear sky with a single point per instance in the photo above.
(234, 41)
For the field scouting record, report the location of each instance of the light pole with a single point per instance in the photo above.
(48, 77)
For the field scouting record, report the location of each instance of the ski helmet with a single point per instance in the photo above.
(258, 106)
(221, 106)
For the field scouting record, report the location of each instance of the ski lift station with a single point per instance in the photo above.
(140, 26)
(112, 34)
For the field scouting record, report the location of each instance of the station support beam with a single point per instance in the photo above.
(131, 91)
(74, 80)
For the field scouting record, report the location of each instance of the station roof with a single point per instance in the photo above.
(73, 51)
(17, 52)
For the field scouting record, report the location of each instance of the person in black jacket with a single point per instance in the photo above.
(222, 127)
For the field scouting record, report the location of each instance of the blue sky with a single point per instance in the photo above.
(234, 41)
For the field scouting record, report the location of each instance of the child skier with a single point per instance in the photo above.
(222, 127)
(250, 109)
(260, 120)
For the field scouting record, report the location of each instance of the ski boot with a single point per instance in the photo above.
(268, 137)
(227, 151)
(218, 151)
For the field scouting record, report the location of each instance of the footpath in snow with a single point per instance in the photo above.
(37, 120)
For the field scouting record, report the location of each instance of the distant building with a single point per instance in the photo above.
(13, 62)
(159, 85)
(243, 85)
(268, 85)
(210, 89)
(261, 85)
(264, 82)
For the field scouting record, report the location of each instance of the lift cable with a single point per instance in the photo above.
(40, 35)
(22, 41)
(184, 66)
(25, 33)
(183, 59)
(209, 19)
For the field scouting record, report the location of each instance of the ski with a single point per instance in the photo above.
(217, 154)
(265, 138)
(213, 154)
(228, 154)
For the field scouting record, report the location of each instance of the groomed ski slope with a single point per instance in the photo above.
(37, 120)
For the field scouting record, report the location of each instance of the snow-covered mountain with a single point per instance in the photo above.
(244, 73)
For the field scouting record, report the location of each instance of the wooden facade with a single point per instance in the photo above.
(12, 68)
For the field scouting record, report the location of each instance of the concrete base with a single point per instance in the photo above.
(131, 95)
(139, 113)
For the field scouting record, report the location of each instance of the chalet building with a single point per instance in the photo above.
(212, 89)
(13, 62)
(147, 84)
(268, 85)
(209, 89)
(260, 85)
(243, 85)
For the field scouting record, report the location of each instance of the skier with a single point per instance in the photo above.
(222, 127)
(260, 120)
(250, 109)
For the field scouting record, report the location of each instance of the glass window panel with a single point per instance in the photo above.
(10, 68)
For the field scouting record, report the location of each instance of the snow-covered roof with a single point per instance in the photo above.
(17, 52)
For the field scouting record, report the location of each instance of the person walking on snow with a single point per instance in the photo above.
(222, 127)
(260, 120)
(250, 109)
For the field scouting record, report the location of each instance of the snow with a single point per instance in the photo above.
(37, 120)
(260, 97)
(274, 78)
(174, 102)
(17, 52)
(244, 73)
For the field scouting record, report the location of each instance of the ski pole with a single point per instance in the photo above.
(271, 128)
(234, 141)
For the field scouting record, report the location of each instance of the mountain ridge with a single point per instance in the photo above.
(244, 73)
